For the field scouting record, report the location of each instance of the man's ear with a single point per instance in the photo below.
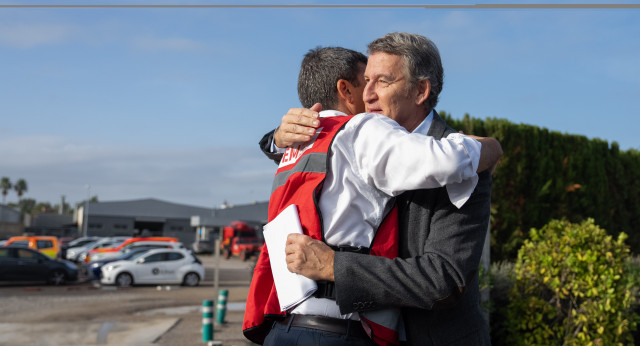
(344, 91)
(423, 88)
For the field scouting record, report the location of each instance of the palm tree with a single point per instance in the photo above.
(21, 187)
(5, 185)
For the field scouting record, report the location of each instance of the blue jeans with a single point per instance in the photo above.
(283, 335)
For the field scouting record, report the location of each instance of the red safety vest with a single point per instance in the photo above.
(299, 180)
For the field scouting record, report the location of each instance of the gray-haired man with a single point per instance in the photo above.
(435, 278)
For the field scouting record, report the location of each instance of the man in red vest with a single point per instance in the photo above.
(388, 151)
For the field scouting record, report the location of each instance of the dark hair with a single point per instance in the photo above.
(421, 58)
(320, 71)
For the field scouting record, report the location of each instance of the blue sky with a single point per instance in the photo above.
(170, 103)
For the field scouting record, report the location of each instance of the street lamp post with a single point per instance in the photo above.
(86, 211)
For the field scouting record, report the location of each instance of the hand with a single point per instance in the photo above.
(298, 125)
(309, 257)
(490, 154)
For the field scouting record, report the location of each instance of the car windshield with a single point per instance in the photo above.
(44, 244)
(86, 245)
(79, 242)
(117, 243)
(133, 255)
(26, 254)
(24, 243)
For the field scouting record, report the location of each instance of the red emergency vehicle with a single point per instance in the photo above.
(240, 239)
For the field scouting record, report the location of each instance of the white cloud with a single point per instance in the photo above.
(54, 166)
(36, 31)
(21, 35)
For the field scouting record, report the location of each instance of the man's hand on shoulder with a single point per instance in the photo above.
(490, 154)
(298, 125)
(309, 257)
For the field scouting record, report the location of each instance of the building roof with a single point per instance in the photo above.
(251, 213)
(152, 208)
(52, 220)
(9, 215)
(149, 207)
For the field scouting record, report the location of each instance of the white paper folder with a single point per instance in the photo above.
(292, 288)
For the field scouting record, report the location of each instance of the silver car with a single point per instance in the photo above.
(160, 266)
(80, 253)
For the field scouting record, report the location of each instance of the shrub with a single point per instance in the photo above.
(501, 275)
(633, 267)
(572, 288)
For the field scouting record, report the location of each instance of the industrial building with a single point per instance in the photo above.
(10, 222)
(153, 217)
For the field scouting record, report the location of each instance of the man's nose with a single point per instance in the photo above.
(369, 94)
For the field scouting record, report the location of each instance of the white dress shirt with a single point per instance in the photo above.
(374, 159)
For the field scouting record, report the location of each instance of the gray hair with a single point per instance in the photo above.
(421, 58)
(320, 71)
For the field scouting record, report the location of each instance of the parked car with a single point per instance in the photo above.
(81, 241)
(25, 264)
(48, 245)
(161, 266)
(95, 267)
(91, 255)
(202, 246)
(64, 241)
(79, 254)
(137, 244)
(74, 243)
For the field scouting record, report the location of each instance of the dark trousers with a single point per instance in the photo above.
(286, 335)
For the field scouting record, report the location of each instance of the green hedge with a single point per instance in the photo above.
(572, 284)
(547, 175)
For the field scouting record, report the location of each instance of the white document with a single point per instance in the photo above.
(292, 288)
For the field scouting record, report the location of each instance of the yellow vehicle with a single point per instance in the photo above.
(48, 245)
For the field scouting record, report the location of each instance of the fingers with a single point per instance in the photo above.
(316, 107)
(294, 253)
(296, 239)
(294, 248)
(493, 169)
(298, 125)
(293, 243)
(309, 257)
(302, 117)
(498, 152)
(490, 154)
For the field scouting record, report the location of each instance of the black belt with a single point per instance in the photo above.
(326, 324)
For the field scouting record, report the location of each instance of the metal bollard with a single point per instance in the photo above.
(207, 320)
(222, 306)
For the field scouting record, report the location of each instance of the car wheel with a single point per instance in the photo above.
(57, 278)
(244, 255)
(191, 279)
(124, 280)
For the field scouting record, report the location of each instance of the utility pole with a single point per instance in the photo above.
(86, 211)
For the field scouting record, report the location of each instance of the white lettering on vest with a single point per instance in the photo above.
(294, 152)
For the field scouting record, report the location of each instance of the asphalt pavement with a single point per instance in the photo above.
(90, 314)
(228, 333)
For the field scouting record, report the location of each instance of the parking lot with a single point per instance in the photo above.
(86, 313)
